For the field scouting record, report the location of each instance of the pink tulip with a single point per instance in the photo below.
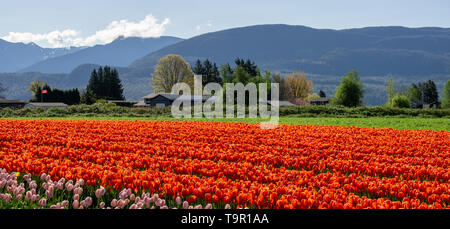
(158, 202)
(70, 182)
(102, 205)
(208, 206)
(35, 197)
(49, 194)
(227, 206)
(43, 202)
(7, 197)
(28, 195)
(78, 191)
(100, 192)
(88, 201)
(69, 187)
(64, 203)
(147, 201)
(75, 204)
(185, 205)
(114, 203)
(33, 185)
(18, 197)
(178, 200)
(122, 204)
(76, 197)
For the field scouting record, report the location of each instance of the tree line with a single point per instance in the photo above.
(416, 95)
(294, 87)
(104, 84)
(42, 92)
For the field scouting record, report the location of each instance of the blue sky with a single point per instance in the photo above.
(76, 22)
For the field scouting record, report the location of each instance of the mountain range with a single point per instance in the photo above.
(15, 56)
(120, 52)
(408, 54)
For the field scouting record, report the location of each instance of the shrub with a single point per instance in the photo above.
(401, 102)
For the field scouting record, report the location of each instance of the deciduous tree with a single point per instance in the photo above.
(170, 70)
(446, 96)
(350, 92)
(298, 86)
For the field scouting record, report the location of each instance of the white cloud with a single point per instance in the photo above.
(148, 27)
(55, 38)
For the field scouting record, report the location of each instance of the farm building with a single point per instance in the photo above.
(165, 99)
(12, 103)
(281, 103)
(320, 101)
(47, 105)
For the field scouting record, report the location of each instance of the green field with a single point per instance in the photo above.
(377, 122)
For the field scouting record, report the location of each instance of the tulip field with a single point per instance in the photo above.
(196, 164)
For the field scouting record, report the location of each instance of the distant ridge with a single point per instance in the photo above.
(120, 52)
(15, 56)
(372, 50)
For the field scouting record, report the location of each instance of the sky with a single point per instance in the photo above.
(56, 23)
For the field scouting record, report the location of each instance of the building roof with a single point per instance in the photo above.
(320, 100)
(48, 104)
(281, 103)
(173, 97)
(141, 104)
(11, 101)
(166, 95)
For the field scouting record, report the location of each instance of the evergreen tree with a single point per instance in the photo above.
(209, 71)
(429, 92)
(198, 68)
(115, 86)
(227, 73)
(106, 84)
(322, 94)
(1, 91)
(88, 97)
(249, 66)
(94, 81)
